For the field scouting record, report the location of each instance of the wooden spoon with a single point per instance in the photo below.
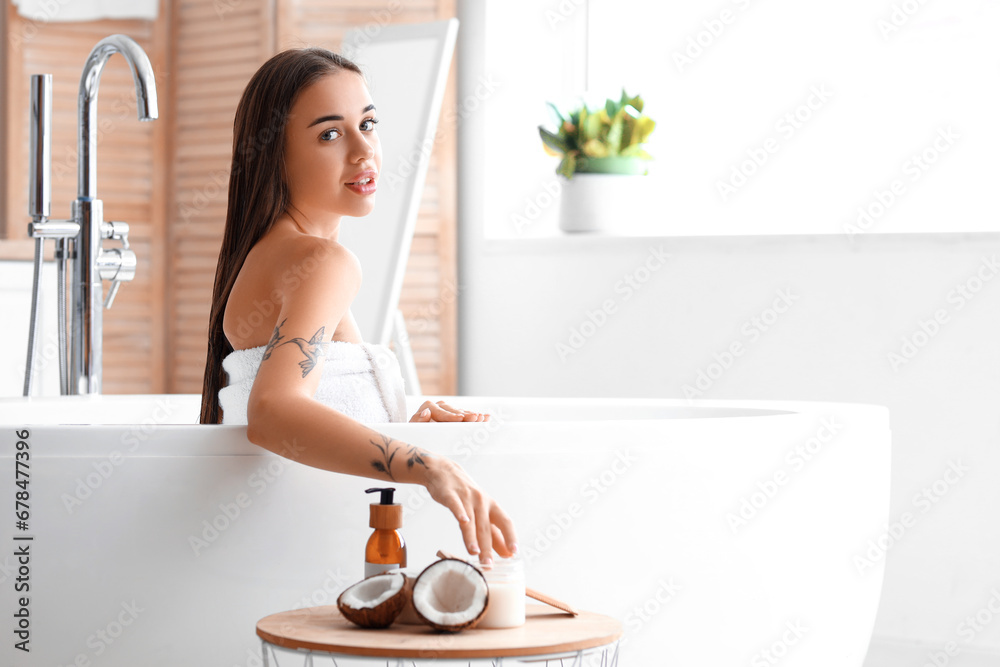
(530, 592)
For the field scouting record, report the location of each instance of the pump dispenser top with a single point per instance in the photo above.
(386, 515)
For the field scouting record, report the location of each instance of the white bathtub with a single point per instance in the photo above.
(157, 541)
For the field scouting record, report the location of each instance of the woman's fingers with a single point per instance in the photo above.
(501, 524)
(432, 412)
(484, 532)
(422, 415)
(452, 413)
(465, 522)
(499, 543)
(442, 412)
(465, 415)
(475, 511)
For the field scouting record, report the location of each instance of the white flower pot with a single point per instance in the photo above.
(602, 202)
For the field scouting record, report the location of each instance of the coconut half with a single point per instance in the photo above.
(375, 602)
(450, 595)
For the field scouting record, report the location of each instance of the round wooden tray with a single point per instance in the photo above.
(546, 631)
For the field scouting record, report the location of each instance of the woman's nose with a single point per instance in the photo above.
(362, 148)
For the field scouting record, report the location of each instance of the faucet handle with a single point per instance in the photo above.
(112, 293)
(116, 264)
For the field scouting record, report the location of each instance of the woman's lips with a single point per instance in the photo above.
(362, 188)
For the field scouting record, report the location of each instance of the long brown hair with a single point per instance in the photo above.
(258, 193)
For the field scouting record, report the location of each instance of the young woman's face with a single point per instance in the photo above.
(332, 153)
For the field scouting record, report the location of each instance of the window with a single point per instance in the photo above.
(777, 117)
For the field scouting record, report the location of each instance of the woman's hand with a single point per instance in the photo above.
(442, 412)
(484, 525)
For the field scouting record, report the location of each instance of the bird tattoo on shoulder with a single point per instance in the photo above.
(313, 349)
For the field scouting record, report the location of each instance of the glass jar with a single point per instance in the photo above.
(505, 580)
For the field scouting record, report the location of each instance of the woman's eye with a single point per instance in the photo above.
(368, 124)
(330, 134)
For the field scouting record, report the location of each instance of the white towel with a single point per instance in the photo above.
(87, 10)
(361, 380)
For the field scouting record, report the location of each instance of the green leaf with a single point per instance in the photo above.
(567, 165)
(592, 127)
(614, 139)
(628, 124)
(611, 108)
(556, 143)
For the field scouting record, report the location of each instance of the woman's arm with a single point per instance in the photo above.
(283, 417)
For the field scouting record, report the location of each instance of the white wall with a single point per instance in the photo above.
(853, 302)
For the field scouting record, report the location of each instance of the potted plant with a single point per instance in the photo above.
(603, 160)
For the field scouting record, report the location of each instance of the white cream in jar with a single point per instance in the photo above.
(505, 581)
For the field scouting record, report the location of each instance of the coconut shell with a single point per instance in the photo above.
(381, 615)
(409, 615)
(458, 627)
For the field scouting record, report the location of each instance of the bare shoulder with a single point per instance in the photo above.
(313, 262)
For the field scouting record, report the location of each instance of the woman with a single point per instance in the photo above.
(306, 153)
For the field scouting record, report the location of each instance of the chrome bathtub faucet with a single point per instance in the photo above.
(79, 240)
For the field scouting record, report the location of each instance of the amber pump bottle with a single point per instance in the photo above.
(386, 549)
